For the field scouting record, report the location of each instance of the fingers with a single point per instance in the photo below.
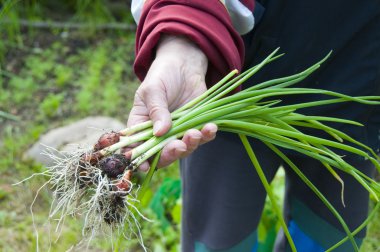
(139, 113)
(179, 148)
(209, 132)
(157, 105)
(151, 103)
(171, 152)
(191, 140)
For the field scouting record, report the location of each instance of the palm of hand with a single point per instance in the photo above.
(176, 76)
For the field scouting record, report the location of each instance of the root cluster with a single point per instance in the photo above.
(98, 189)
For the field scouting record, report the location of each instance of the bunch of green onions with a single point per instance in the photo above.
(256, 112)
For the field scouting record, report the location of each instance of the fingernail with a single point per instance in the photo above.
(181, 150)
(195, 140)
(156, 127)
(213, 131)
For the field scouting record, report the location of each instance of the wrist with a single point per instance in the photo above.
(181, 49)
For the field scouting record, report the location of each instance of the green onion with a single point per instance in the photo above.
(255, 112)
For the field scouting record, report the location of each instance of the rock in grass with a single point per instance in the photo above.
(79, 134)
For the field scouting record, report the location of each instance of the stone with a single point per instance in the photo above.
(80, 134)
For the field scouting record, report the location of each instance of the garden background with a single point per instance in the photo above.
(62, 61)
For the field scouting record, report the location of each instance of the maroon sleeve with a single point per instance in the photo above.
(250, 4)
(205, 22)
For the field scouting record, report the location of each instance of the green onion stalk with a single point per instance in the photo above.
(255, 112)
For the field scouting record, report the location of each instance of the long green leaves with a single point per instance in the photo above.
(7, 5)
(316, 191)
(268, 189)
(258, 112)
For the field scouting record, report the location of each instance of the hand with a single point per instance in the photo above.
(176, 76)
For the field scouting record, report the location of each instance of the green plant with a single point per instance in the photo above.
(21, 90)
(40, 64)
(269, 223)
(63, 75)
(92, 11)
(254, 112)
(90, 84)
(14, 145)
(26, 80)
(51, 104)
(371, 242)
(104, 77)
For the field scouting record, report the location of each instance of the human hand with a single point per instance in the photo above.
(176, 76)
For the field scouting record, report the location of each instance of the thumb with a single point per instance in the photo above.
(157, 105)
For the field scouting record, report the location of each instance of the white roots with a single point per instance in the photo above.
(82, 190)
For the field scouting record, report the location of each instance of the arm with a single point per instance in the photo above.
(180, 46)
(206, 23)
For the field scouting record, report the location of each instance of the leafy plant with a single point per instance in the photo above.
(92, 11)
(63, 74)
(269, 223)
(14, 145)
(51, 104)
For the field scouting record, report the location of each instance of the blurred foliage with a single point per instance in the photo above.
(43, 76)
(269, 223)
(50, 78)
(371, 242)
(89, 12)
(164, 205)
(165, 199)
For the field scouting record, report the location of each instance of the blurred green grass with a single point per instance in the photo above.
(51, 77)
